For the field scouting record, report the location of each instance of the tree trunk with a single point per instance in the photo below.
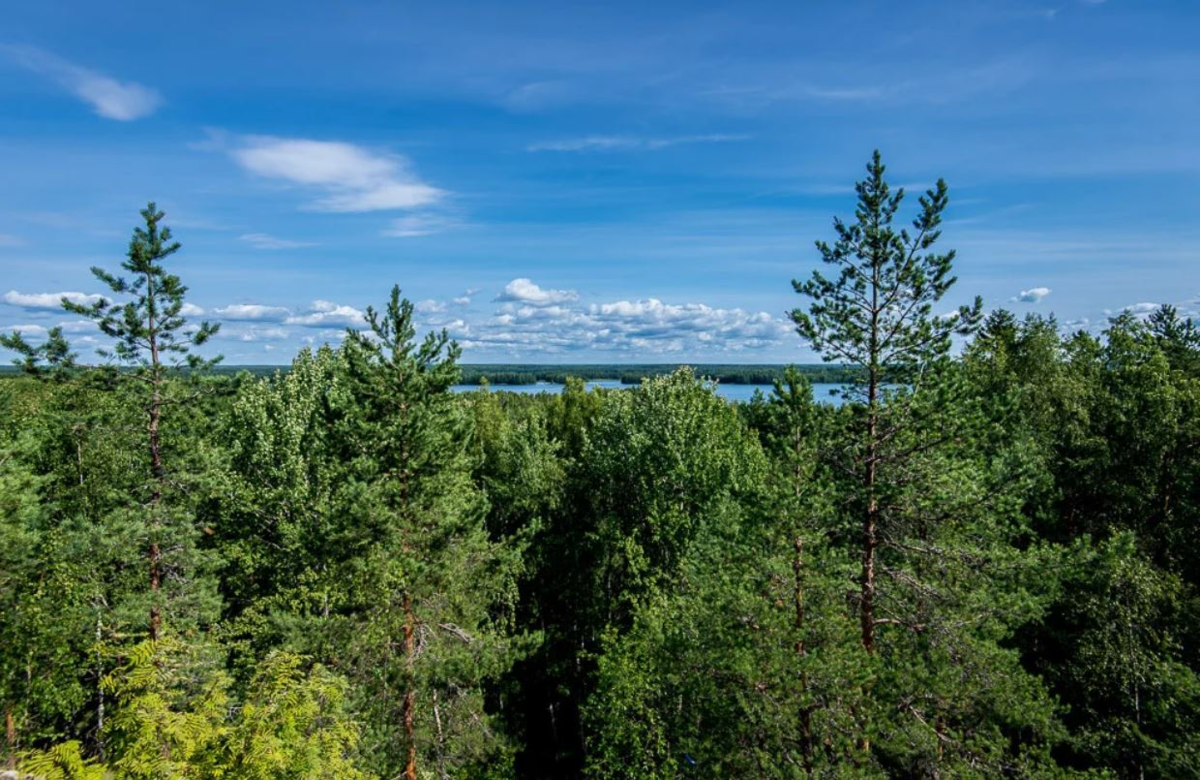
(10, 738)
(806, 743)
(99, 687)
(870, 542)
(410, 769)
(156, 467)
(870, 526)
(437, 719)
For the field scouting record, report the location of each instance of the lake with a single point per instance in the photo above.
(821, 391)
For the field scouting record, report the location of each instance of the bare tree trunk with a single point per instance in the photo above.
(410, 769)
(437, 719)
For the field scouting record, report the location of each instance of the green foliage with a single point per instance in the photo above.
(352, 530)
(877, 314)
(151, 323)
(52, 357)
(170, 724)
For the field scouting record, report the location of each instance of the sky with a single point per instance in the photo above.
(589, 182)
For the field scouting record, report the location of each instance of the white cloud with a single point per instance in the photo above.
(25, 330)
(324, 314)
(191, 310)
(415, 225)
(525, 291)
(465, 298)
(78, 326)
(266, 241)
(1141, 308)
(353, 178)
(430, 306)
(251, 312)
(647, 326)
(1034, 295)
(111, 99)
(253, 333)
(627, 143)
(48, 300)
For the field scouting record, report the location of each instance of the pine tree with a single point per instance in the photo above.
(877, 317)
(356, 471)
(53, 357)
(151, 338)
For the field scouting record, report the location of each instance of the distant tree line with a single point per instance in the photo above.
(626, 374)
(631, 374)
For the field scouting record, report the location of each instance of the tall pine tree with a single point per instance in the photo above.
(150, 339)
(877, 316)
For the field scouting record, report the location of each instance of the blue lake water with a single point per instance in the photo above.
(825, 393)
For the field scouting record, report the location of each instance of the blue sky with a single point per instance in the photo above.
(570, 182)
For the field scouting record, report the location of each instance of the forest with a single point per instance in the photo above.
(982, 564)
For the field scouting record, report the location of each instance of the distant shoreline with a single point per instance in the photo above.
(626, 373)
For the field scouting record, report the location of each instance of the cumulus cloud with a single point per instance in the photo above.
(48, 300)
(353, 179)
(267, 241)
(1141, 308)
(525, 291)
(252, 333)
(78, 326)
(191, 310)
(251, 312)
(36, 331)
(430, 306)
(616, 143)
(1033, 295)
(123, 101)
(648, 326)
(465, 298)
(324, 314)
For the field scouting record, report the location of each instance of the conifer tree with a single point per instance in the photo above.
(151, 338)
(52, 357)
(876, 315)
(356, 470)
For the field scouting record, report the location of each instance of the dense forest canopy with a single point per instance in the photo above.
(981, 565)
